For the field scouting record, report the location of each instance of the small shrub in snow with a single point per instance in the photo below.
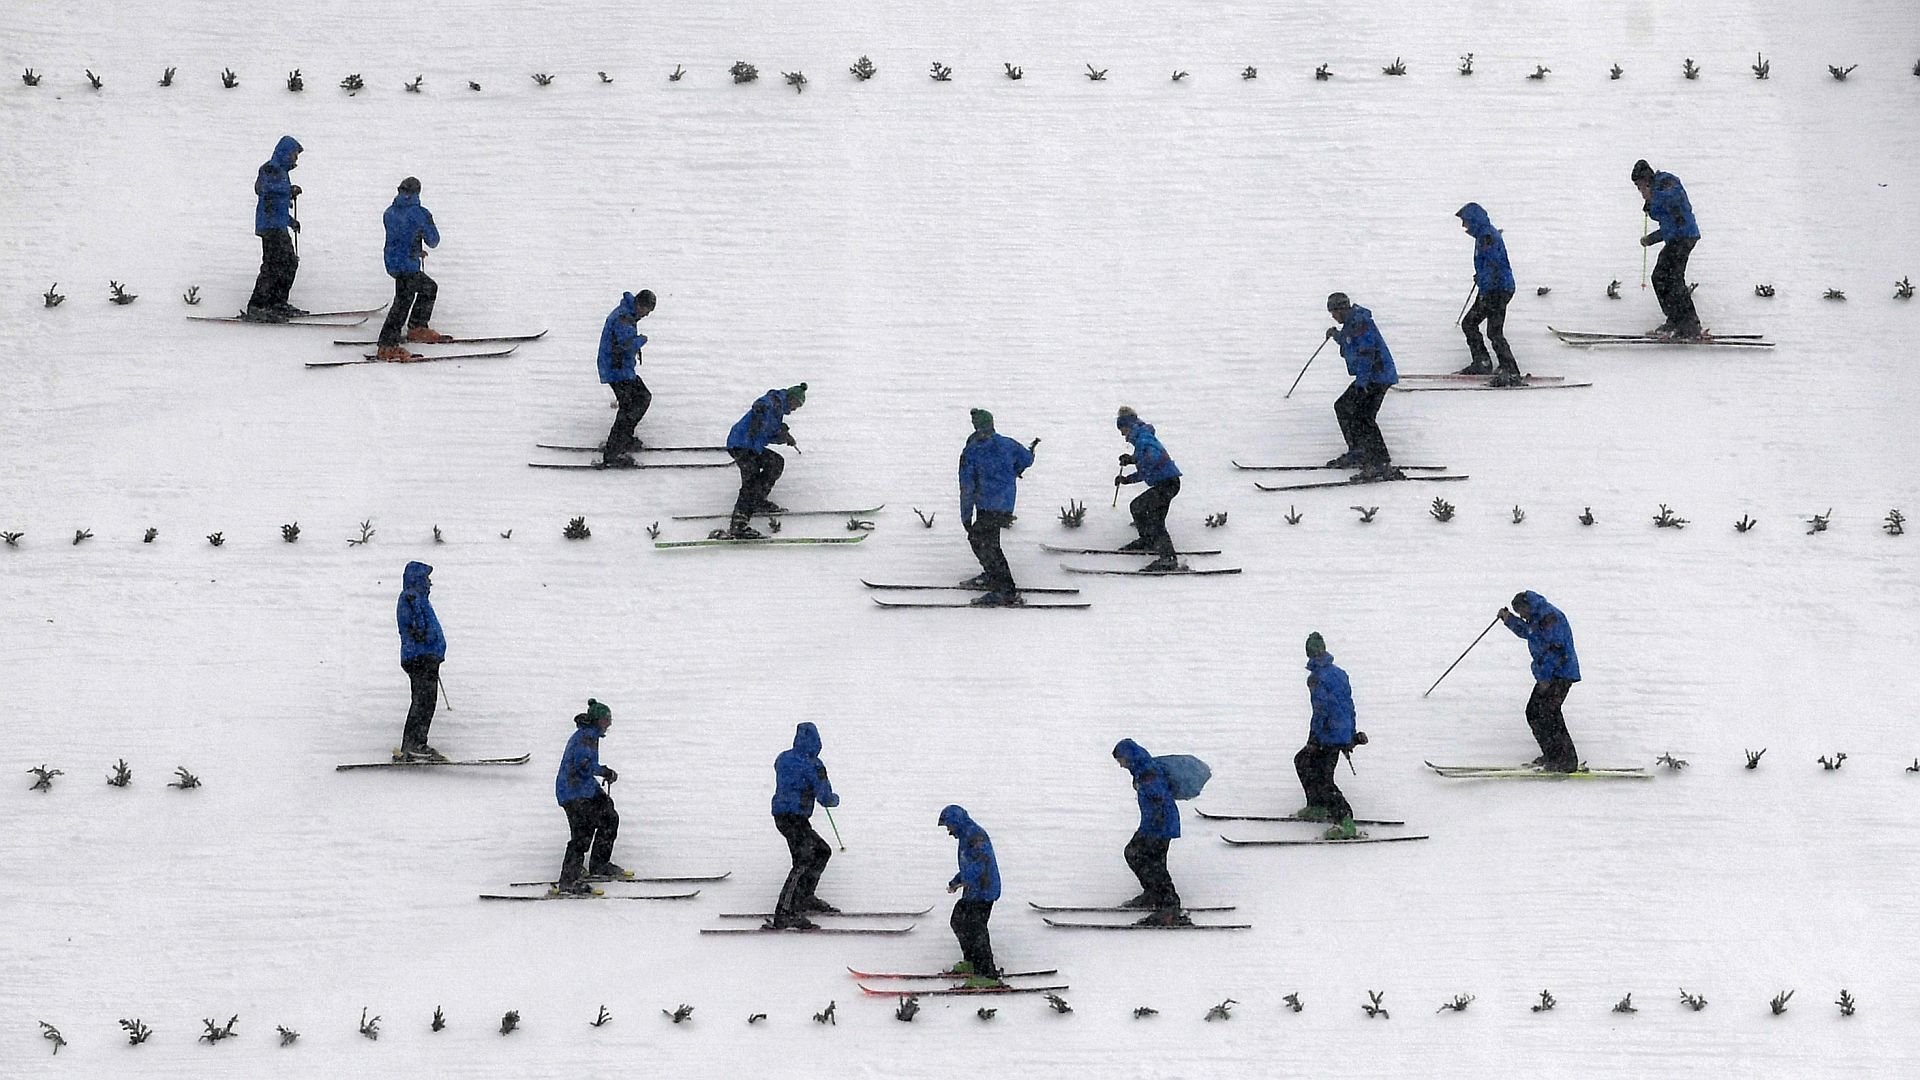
(1690, 69)
(1373, 1008)
(216, 539)
(1073, 515)
(604, 77)
(1692, 1001)
(754, 1018)
(1846, 1003)
(187, 781)
(1366, 513)
(228, 79)
(908, 1008)
(43, 777)
(1671, 762)
(926, 520)
(1745, 524)
(509, 1021)
(1586, 516)
(1543, 290)
(51, 297)
(1903, 289)
(1093, 75)
(122, 774)
(1323, 73)
(353, 84)
(1540, 73)
(1222, 1011)
(1441, 510)
(1613, 289)
(940, 72)
(1753, 757)
(1779, 1002)
(439, 1020)
(473, 86)
(52, 1035)
(287, 1034)
(369, 1026)
(1249, 72)
(12, 538)
(1763, 290)
(1458, 1004)
(1217, 521)
(216, 1032)
(1466, 64)
(290, 532)
(118, 293)
(1293, 516)
(1519, 515)
(855, 524)
(1761, 68)
(81, 534)
(680, 1015)
(94, 80)
(1667, 519)
(743, 72)
(366, 534)
(863, 69)
(653, 531)
(296, 82)
(437, 537)
(542, 78)
(1625, 1005)
(675, 75)
(602, 1019)
(1013, 73)
(825, 1016)
(1895, 524)
(1292, 1001)
(1398, 67)
(985, 1013)
(1179, 75)
(1141, 1012)
(577, 529)
(1819, 522)
(1840, 73)
(1615, 72)
(418, 81)
(32, 77)
(137, 1032)
(796, 79)
(192, 295)
(166, 77)
(1832, 764)
(1058, 1004)
(150, 536)
(1545, 1004)
(1833, 294)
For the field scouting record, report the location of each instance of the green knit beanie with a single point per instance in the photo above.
(1316, 645)
(597, 712)
(982, 420)
(796, 396)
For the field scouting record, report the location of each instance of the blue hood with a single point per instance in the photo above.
(1132, 755)
(284, 150)
(806, 738)
(415, 578)
(1476, 220)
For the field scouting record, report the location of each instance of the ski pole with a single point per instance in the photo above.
(1116, 491)
(836, 828)
(1643, 251)
(441, 683)
(1471, 289)
(1303, 369)
(1463, 656)
(293, 214)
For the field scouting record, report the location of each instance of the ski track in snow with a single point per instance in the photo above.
(1047, 249)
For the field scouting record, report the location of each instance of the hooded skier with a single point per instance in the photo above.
(749, 444)
(991, 465)
(799, 780)
(979, 877)
(620, 343)
(1146, 853)
(1152, 467)
(422, 648)
(1555, 669)
(274, 224)
(1493, 277)
(410, 231)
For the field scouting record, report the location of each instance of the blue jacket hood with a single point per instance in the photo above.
(955, 817)
(284, 150)
(1477, 222)
(806, 738)
(415, 578)
(1132, 755)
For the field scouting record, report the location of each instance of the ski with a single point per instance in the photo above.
(597, 467)
(959, 991)
(1289, 817)
(1748, 341)
(1150, 573)
(1455, 376)
(676, 879)
(1584, 335)
(1321, 841)
(963, 588)
(858, 974)
(418, 358)
(1116, 908)
(521, 760)
(1491, 386)
(888, 930)
(343, 318)
(1071, 605)
(860, 512)
(1353, 482)
(1057, 550)
(598, 447)
(1064, 925)
(1629, 769)
(455, 340)
(588, 896)
(1542, 774)
(765, 541)
(1320, 468)
(832, 914)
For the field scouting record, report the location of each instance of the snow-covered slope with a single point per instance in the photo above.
(1048, 249)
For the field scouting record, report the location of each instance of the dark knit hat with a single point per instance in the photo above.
(644, 298)
(411, 185)
(1336, 301)
(796, 396)
(1642, 170)
(982, 420)
(1520, 603)
(1316, 645)
(1125, 416)
(597, 712)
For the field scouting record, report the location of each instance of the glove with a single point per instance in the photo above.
(1333, 332)
(830, 800)
(1647, 240)
(1359, 738)
(606, 771)
(1118, 480)
(295, 191)
(1126, 459)
(294, 224)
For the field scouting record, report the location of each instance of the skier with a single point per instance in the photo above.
(1330, 735)
(1146, 853)
(422, 649)
(1152, 467)
(274, 224)
(410, 229)
(1555, 669)
(990, 468)
(1493, 277)
(1666, 202)
(799, 780)
(592, 822)
(620, 342)
(760, 467)
(1371, 365)
(979, 876)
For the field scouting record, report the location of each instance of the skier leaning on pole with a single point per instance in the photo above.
(1555, 669)
(800, 780)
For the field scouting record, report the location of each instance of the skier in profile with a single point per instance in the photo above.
(991, 465)
(1666, 202)
(1371, 365)
(979, 877)
(1555, 669)
(1330, 734)
(799, 780)
(749, 443)
(1493, 279)
(1146, 853)
(1154, 468)
(274, 224)
(422, 649)
(592, 822)
(410, 231)
(620, 343)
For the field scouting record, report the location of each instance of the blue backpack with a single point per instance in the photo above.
(1186, 774)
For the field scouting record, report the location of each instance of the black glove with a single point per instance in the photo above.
(1333, 332)
(606, 771)
(294, 224)
(1118, 480)
(1359, 738)
(294, 191)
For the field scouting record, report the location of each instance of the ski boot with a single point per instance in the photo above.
(574, 890)
(427, 335)
(1166, 917)
(418, 754)
(998, 599)
(1165, 564)
(983, 982)
(789, 922)
(617, 461)
(262, 314)
(1379, 471)
(1478, 367)
(964, 967)
(291, 312)
(1507, 376)
(1312, 813)
(1343, 831)
(768, 508)
(977, 581)
(1142, 901)
(397, 354)
(608, 871)
(816, 906)
(1141, 546)
(740, 530)
(1345, 461)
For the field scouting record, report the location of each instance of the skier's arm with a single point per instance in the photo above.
(429, 233)
(822, 788)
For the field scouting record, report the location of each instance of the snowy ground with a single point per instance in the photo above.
(1048, 249)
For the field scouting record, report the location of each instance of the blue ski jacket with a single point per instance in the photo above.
(275, 188)
(1549, 639)
(1332, 699)
(765, 422)
(1365, 351)
(620, 342)
(990, 468)
(419, 627)
(1159, 815)
(1670, 209)
(1491, 270)
(1151, 465)
(798, 776)
(580, 768)
(979, 876)
(409, 226)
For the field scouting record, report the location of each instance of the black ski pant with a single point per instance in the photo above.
(1670, 285)
(1490, 308)
(759, 471)
(413, 296)
(423, 673)
(1147, 858)
(984, 537)
(1356, 410)
(1317, 765)
(633, 397)
(278, 265)
(810, 855)
(592, 825)
(1549, 726)
(1149, 510)
(969, 924)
